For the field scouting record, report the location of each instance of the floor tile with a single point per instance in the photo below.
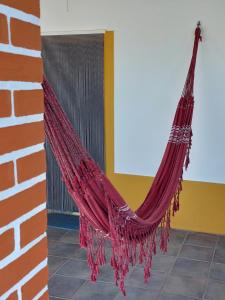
(215, 291)
(51, 243)
(108, 254)
(171, 250)
(75, 268)
(134, 293)
(201, 239)
(62, 249)
(54, 263)
(174, 297)
(69, 273)
(221, 238)
(221, 241)
(64, 287)
(196, 252)
(218, 272)
(106, 274)
(185, 286)
(219, 256)
(79, 253)
(190, 267)
(54, 234)
(108, 243)
(163, 263)
(177, 237)
(136, 279)
(96, 291)
(71, 236)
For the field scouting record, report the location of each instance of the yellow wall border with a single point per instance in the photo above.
(202, 204)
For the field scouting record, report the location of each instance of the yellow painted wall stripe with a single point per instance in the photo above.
(202, 204)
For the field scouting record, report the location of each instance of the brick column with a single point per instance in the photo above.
(23, 244)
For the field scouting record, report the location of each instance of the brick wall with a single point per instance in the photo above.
(23, 249)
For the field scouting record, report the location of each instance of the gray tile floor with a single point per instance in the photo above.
(193, 268)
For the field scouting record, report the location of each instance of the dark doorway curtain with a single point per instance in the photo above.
(74, 64)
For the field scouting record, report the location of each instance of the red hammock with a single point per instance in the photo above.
(103, 212)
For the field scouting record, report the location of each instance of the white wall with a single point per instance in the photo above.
(153, 44)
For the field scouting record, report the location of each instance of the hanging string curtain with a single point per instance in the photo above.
(104, 214)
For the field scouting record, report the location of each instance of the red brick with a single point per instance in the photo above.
(24, 34)
(45, 296)
(3, 29)
(28, 6)
(30, 166)
(13, 296)
(21, 136)
(7, 243)
(20, 267)
(22, 203)
(28, 102)
(5, 103)
(17, 67)
(6, 175)
(35, 285)
(33, 228)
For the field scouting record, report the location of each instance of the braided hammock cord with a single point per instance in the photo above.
(104, 215)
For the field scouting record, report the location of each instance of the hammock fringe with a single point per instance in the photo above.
(128, 248)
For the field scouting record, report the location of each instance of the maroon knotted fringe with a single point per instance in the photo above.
(104, 215)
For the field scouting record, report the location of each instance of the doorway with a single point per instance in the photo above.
(74, 67)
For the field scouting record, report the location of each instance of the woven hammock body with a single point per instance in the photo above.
(103, 212)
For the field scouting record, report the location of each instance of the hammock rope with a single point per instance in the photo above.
(104, 215)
